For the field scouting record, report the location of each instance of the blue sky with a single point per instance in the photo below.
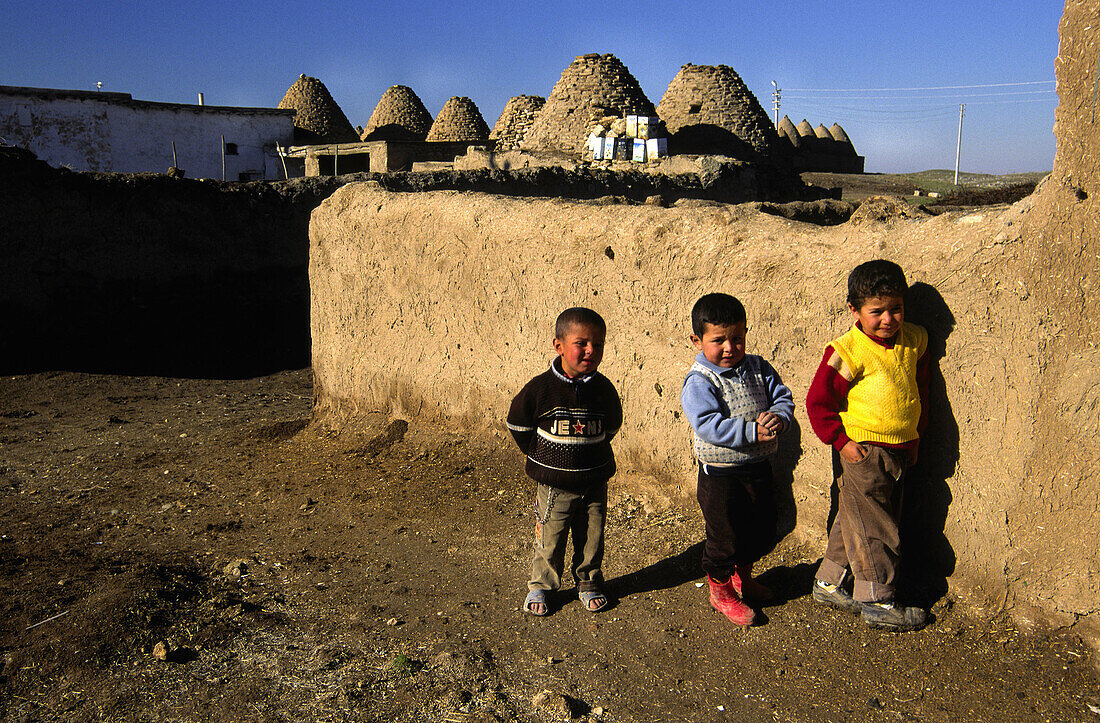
(830, 59)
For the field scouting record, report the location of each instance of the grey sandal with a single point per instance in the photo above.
(587, 597)
(535, 597)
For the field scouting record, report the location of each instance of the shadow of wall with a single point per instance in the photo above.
(145, 274)
(928, 556)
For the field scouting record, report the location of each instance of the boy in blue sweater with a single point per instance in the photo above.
(737, 406)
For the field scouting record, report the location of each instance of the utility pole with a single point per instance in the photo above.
(775, 96)
(958, 143)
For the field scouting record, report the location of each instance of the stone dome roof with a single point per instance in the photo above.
(516, 120)
(709, 109)
(591, 88)
(459, 120)
(318, 118)
(399, 116)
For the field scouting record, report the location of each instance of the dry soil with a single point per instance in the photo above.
(188, 549)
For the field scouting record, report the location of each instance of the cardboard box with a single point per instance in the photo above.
(639, 150)
(648, 126)
(595, 146)
(608, 148)
(632, 126)
(656, 148)
(624, 148)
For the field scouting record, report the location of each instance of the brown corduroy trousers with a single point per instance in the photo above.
(864, 537)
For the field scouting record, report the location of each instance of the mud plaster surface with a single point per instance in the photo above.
(441, 305)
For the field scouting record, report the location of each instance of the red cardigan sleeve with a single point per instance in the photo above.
(823, 402)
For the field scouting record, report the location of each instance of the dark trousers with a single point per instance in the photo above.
(739, 511)
(864, 536)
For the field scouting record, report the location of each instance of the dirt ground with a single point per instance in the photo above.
(192, 550)
(859, 186)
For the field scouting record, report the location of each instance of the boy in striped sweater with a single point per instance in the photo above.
(564, 420)
(737, 406)
(869, 401)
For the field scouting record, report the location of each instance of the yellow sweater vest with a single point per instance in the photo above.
(883, 400)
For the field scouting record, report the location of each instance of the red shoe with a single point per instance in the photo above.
(724, 599)
(748, 588)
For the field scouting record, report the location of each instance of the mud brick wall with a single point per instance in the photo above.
(146, 274)
(477, 281)
(1054, 561)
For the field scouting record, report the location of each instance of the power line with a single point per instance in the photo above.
(930, 87)
(922, 97)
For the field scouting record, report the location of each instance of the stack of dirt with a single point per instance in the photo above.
(591, 88)
(709, 109)
(319, 118)
(399, 116)
(459, 120)
(516, 120)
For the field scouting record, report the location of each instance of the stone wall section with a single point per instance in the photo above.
(709, 109)
(319, 119)
(591, 88)
(459, 120)
(400, 115)
(515, 121)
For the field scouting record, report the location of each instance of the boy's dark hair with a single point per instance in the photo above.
(577, 315)
(718, 309)
(875, 278)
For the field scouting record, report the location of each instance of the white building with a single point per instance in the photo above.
(96, 131)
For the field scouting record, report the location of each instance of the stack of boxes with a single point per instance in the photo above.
(643, 140)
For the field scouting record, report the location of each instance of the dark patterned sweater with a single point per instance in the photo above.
(565, 426)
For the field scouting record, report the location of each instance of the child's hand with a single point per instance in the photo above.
(771, 421)
(852, 452)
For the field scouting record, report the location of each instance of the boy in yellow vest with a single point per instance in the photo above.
(869, 401)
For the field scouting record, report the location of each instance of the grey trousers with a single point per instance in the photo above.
(864, 537)
(560, 514)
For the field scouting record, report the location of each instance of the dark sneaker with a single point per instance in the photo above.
(837, 597)
(893, 617)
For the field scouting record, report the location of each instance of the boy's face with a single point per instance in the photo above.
(880, 316)
(581, 349)
(722, 344)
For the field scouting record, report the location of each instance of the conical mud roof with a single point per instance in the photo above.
(459, 120)
(319, 119)
(516, 120)
(840, 136)
(399, 116)
(787, 130)
(590, 89)
(709, 109)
